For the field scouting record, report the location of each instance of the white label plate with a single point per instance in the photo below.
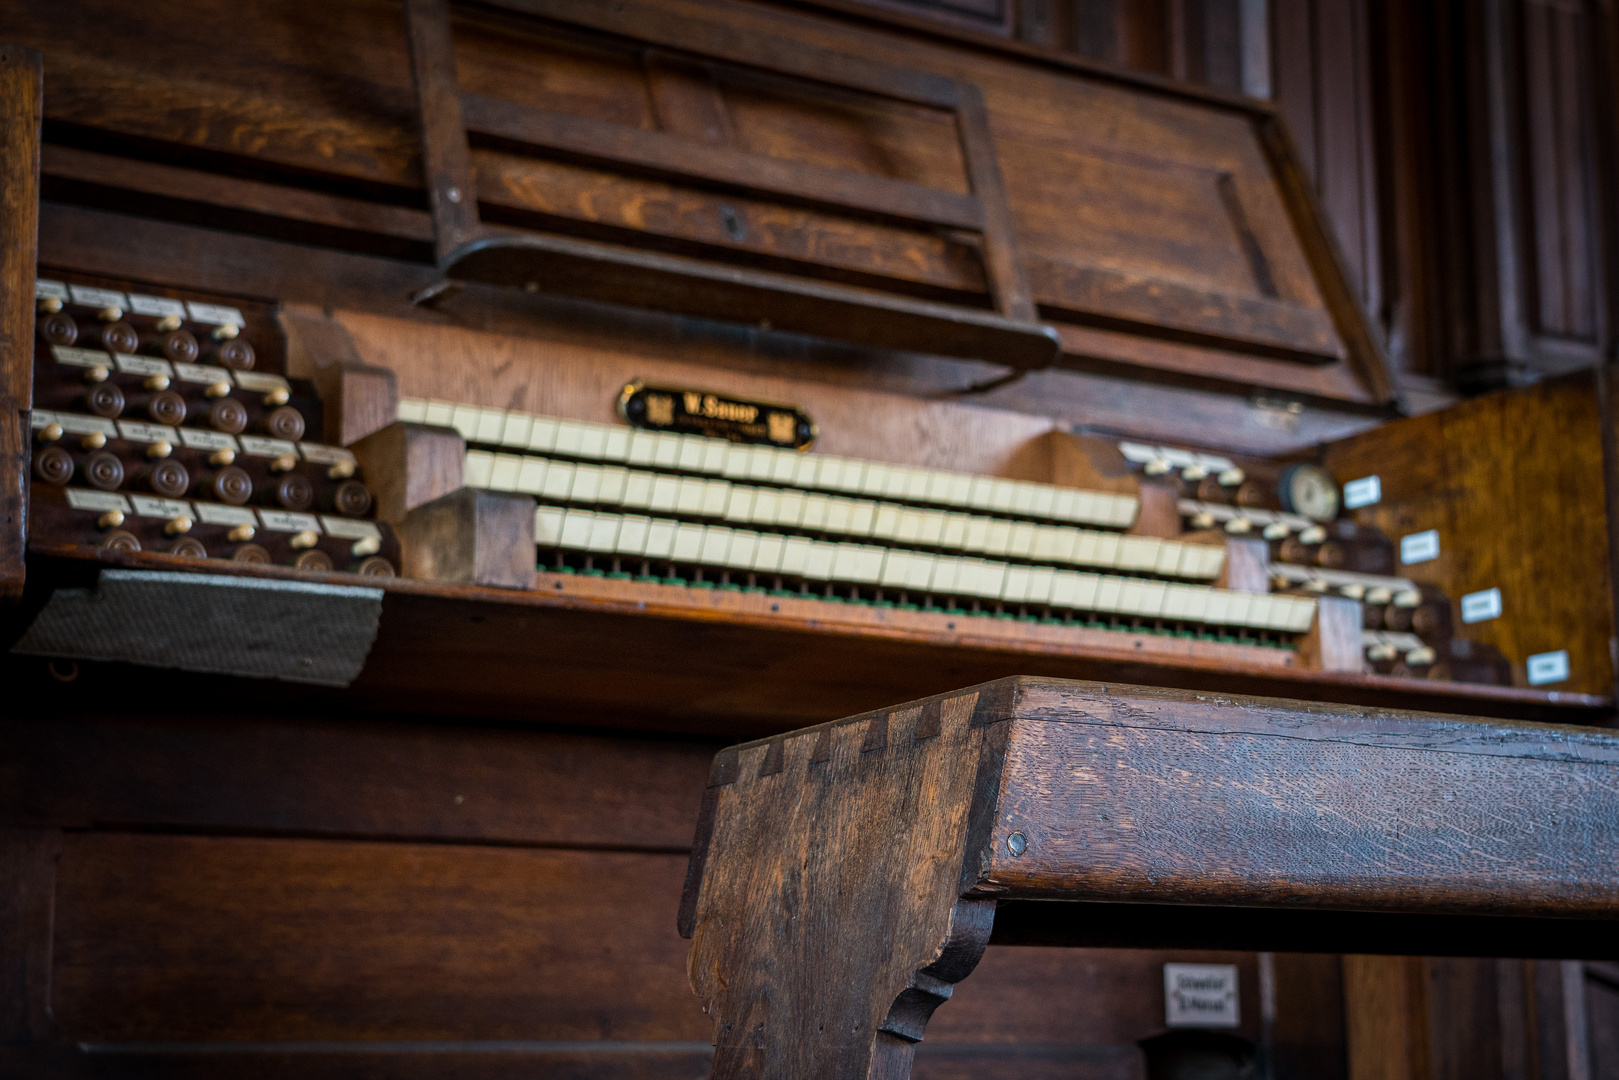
(1419, 547)
(350, 529)
(96, 298)
(156, 306)
(260, 383)
(1481, 606)
(202, 373)
(135, 431)
(1138, 453)
(99, 501)
(202, 439)
(75, 424)
(44, 287)
(215, 314)
(286, 521)
(168, 509)
(43, 418)
(220, 514)
(1200, 995)
(1548, 667)
(325, 455)
(142, 365)
(259, 446)
(85, 358)
(1363, 492)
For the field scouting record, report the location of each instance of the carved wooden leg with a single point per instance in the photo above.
(825, 899)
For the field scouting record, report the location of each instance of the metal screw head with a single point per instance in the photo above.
(1017, 844)
(453, 194)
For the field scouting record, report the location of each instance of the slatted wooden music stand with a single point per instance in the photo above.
(845, 876)
(469, 250)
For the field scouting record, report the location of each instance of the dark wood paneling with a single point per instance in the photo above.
(1564, 278)
(1307, 1033)
(27, 893)
(196, 938)
(1602, 1003)
(356, 778)
(371, 1060)
(1323, 74)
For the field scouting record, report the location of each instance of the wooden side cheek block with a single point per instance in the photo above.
(845, 876)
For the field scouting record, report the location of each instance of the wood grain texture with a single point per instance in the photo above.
(1384, 1014)
(357, 398)
(170, 252)
(1334, 642)
(452, 192)
(283, 112)
(410, 465)
(1111, 793)
(1511, 481)
(313, 775)
(471, 537)
(21, 78)
(343, 940)
(1337, 808)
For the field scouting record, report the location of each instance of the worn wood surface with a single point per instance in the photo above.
(1081, 791)
(1502, 820)
(471, 537)
(20, 112)
(412, 465)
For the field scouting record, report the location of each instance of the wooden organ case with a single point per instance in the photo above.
(367, 660)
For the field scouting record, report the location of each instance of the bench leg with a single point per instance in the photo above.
(825, 899)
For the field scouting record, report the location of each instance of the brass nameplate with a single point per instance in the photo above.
(698, 412)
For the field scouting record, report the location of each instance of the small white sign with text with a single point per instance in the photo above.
(1548, 667)
(1200, 995)
(1419, 547)
(1363, 492)
(1481, 606)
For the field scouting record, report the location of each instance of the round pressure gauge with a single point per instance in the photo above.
(1310, 491)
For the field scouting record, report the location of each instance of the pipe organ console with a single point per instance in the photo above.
(169, 425)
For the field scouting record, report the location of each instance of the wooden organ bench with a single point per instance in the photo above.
(844, 877)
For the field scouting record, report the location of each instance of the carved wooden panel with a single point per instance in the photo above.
(1161, 229)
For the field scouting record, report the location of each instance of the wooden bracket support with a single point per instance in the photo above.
(859, 829)
(471, 537)
(408, 465)
(358, 398)
(1334, 640)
